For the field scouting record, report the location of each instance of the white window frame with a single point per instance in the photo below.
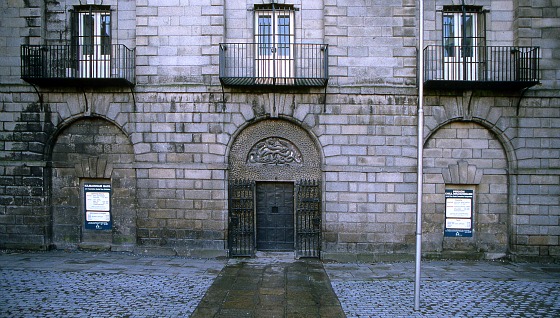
(460, 51)
(274, 39)
(94, 42)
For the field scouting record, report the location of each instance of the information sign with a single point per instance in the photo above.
(458, 212)
(458, 208)
(464, 224)
(98, 206)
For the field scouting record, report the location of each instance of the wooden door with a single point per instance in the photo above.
(275, 216)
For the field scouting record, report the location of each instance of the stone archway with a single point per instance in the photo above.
(93, 151)
(466, 155)
(274, 190)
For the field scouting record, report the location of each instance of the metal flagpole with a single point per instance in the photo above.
(420, 158)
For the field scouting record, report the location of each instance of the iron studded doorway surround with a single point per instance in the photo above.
(272, 223)
(274, 151)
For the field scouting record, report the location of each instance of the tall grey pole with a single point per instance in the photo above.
(420, 159)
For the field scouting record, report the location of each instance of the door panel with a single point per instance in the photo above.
(275, 216)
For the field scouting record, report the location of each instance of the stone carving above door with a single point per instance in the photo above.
(274, 151)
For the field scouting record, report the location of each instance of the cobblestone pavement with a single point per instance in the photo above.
(76, 284)
(449, 289)
(59, 284)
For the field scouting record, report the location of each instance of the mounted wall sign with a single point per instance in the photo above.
(98, 206)
(458, 213)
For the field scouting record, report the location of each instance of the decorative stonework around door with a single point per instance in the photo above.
(274, 191)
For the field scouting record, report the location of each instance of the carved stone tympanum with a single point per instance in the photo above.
(274, 151)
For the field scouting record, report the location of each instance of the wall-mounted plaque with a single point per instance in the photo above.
(97, 199)
(458, 212)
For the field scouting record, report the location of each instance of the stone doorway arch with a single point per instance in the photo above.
(469, 156)
(92, 153)
(274, 190)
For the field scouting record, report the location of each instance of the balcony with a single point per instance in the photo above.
(78, 65)
(480, 67)
(257, 64)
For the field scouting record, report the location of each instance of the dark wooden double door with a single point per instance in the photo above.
(275, 216)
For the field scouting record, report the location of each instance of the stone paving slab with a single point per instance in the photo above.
(271, 286)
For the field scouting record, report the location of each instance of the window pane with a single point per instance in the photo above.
(468, 36)
(284, 35)
(105, 34)
(448, 36)
(87, 34)
(264, 34)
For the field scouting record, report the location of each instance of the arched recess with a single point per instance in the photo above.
(274, 174)
(468, 155)
(85, 153)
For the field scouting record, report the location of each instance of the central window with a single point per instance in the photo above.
(270, 55)
(274, 38)
(463, 42)
(92, 39)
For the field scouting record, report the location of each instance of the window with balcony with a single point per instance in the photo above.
(463, 35)
(273, 58)
(465, 61)
(92, 38)
(89, 58)
(274, 38)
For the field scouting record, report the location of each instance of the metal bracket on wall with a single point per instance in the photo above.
(133, 97)
(519, 100)
(39, 95)
(325, 100)
(223, 99)
(87, 111)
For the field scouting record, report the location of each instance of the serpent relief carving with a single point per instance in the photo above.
(274, 151)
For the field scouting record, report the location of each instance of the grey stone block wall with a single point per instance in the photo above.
(24, 205)
(166, 142)
(363, 34)
(536, 24)
(178, 43)
(21, 24)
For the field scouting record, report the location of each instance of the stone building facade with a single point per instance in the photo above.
(222, 127)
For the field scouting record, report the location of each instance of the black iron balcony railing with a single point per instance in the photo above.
(247, 64)
(481, 67)
(90, 65)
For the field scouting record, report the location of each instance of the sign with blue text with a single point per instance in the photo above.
(458, 212)
(98, 206)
